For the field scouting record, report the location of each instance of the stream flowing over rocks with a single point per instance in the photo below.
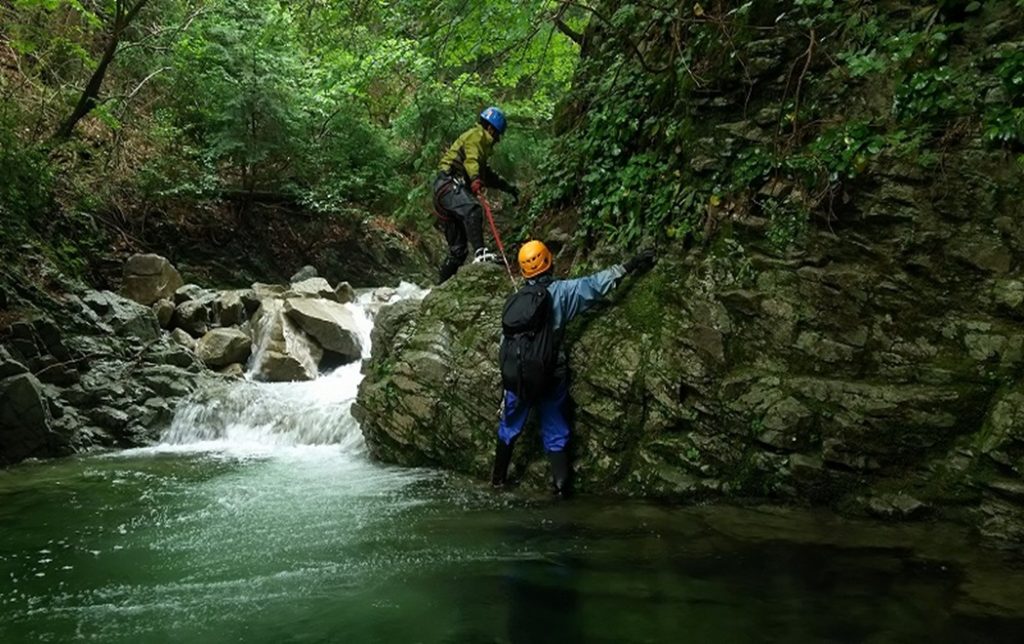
(101, 369)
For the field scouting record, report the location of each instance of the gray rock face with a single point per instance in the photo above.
(304, 273)
(283, 352)
(806, 379)
(331, 324)
(190, 292)
(164, 311)
(345, 293)
(103, 375)
(229, 308)
(222, 347)
(124, 316)
(432, 389)
(314, 287)
(24, 416)
(193, 316)
(182, 337)
(148, 278)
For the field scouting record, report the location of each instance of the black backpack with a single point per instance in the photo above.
(528, 351)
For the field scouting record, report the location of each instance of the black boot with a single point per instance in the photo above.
(502, 458)
(561, 473)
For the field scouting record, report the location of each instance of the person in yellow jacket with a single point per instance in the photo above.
(463, 173)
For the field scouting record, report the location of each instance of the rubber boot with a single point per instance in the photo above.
(502, 458)
(561, 473)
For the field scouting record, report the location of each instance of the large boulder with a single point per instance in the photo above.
(314, 287)
(817, 383)
(124, 316)
(164, 311)
(193, 316)
(24, 416)
(331, 324)
(183, 338)
(432, 388)
(229, 308)
(189, 292)
(345, 293)
(222, 347)
(304, 273)
(282, 351)
(148, 278)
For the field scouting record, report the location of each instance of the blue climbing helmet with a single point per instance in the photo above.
(495, 117)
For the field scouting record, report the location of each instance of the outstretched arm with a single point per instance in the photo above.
(573, 297)
(494, 180)
(579, 295)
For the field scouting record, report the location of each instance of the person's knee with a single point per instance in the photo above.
(457, 254)
(474, 216)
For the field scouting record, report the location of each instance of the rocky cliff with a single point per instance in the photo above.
(848, 328)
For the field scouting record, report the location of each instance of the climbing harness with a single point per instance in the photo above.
(445, 188)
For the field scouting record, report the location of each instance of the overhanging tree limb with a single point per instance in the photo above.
(89, 99)
(569, 32)
(623, 37)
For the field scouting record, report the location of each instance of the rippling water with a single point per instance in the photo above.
(315, 544)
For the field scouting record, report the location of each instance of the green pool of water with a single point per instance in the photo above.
(316, 545)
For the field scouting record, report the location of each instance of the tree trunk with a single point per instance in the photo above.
(90, 95)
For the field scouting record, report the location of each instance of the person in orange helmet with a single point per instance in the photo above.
(534, 364)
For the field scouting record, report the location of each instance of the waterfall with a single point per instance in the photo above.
(254, 417)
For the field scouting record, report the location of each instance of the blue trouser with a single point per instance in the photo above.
(553, 426)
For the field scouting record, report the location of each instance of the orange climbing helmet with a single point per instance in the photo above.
(534, 259)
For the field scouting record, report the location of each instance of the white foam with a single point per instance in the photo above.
(251, 419)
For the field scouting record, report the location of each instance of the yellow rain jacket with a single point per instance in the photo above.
(466, 159)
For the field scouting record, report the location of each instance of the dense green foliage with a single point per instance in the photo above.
(678, 116)
(336, 108)
(811, 92)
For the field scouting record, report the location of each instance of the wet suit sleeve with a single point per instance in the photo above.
(493, 179)
(572, 297)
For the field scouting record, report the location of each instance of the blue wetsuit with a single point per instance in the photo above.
(569, 298)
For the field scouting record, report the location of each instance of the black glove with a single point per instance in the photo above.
(514, 191)
(641, 263)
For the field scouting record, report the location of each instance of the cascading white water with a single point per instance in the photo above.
(252, 418)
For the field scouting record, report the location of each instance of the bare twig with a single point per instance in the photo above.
(800, 82)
